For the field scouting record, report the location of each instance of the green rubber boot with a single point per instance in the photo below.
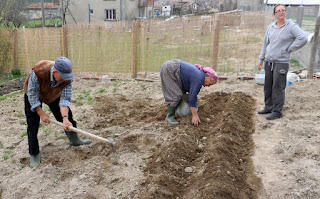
(170, 116)
(34, 160)
(74, 140)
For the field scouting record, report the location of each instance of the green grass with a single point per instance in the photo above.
(47, 131)
(20, 115)
(11, 95)
(294, 64)
(38, 23)
(7, 77)
(23, 134)
(61, 137)
(308, 22)
(5, 157)
(102, 90)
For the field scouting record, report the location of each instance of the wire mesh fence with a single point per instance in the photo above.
(229, 42)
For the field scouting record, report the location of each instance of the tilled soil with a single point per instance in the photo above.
(233, 153)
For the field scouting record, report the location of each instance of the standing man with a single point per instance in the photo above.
(281, 39)
(49, 82)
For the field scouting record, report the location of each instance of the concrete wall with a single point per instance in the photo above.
(79, 10)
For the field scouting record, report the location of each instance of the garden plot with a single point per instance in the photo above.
(234, 153)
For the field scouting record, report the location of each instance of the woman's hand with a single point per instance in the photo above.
(195, 118)
(259, 66)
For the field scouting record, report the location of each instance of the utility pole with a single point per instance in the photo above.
(42, 10)
(180, 8)
(89, 12)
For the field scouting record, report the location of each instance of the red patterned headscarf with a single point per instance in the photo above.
(209, 71)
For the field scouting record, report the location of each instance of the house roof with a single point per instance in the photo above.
(293, 2)
(190, 3)
(45, 5)
(157, 5)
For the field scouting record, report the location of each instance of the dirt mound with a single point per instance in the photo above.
(210, 160)
(195, 162)
(12, 86)
(126, 112)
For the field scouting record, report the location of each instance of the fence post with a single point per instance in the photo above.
(300, 15)
(15, 48)
(64, 41)
(314, 48)
(134, 63)
(216, 38)
(147, 50)
(142, 45)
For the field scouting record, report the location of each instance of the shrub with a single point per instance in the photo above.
(16, 72)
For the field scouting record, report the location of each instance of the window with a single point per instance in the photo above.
(110, 14)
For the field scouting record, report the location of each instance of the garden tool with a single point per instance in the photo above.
(110, 142)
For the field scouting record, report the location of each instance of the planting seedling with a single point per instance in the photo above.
(61, 137)
(23, 134)
(20, 115)
(47, 131)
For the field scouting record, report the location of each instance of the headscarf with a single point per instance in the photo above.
(209, 71)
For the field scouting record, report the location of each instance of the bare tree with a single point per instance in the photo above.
(4, 8)
(11, 13)
(65, 10)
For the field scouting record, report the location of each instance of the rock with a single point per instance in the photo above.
(188, 170)
(303, 74)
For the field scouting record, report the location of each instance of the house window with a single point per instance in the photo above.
(110, 14)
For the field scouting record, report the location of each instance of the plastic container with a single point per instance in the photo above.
(260, 77)
(105, 79)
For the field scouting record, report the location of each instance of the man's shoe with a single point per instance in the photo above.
(74, 140)
(273, 117)
(264, 111)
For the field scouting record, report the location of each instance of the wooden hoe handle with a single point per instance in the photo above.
(110, 142)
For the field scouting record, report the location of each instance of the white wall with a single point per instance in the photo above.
(80, 11)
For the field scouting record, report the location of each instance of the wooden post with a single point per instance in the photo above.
(216, 38)
(142, 46)
(64, 41)
(134, 63)
(314, 48)
(26, 47)
(147, 50)
(15, 48)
